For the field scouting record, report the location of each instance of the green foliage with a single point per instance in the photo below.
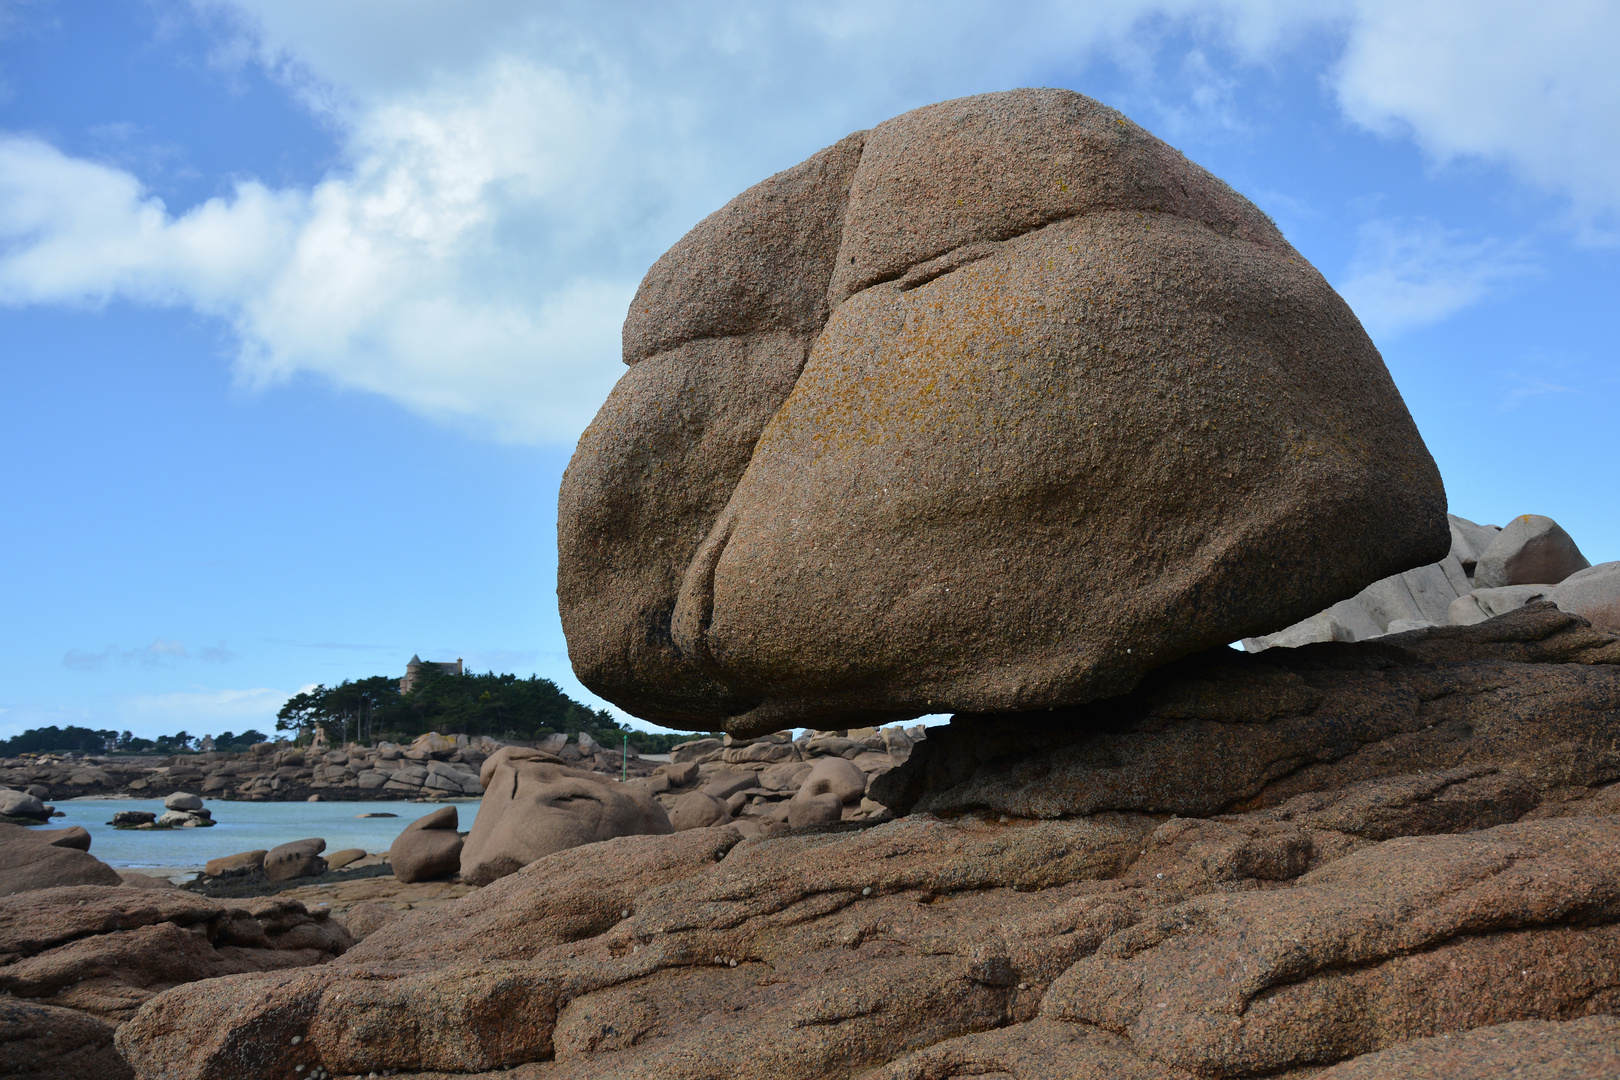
(501, 706)
(80, 740)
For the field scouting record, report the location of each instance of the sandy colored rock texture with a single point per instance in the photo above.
(104, 951)
(1408, 911)
(995, 407)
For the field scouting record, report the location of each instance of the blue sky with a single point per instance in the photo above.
(303, 306)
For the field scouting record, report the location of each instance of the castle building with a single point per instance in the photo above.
(418, 668)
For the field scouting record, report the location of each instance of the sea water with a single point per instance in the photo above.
(242, 826)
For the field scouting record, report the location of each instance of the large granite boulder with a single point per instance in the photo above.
(533, 807)
(997, 406)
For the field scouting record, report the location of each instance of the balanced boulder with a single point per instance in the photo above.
(533, 807)
(997, 406)
(429, 849)
(182, 800)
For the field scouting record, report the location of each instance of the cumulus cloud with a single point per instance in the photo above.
(1538, 92)
(1410, 274)
(509, 170)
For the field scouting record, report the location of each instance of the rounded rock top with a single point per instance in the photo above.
(994, 407)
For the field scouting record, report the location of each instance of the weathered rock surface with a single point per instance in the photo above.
(533, 807)
(1586, 1049)
(1389, 903)
(893, 440)
(1534, 692)
(33, 858)
(1593, 594)
(101, 952)
(44, 1042)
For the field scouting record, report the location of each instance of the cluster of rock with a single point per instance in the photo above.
(536, 805)
(1385, 857)
(433, 766)
(1489, 571)
(182, 810)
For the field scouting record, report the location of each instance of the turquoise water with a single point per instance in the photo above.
(242, 826)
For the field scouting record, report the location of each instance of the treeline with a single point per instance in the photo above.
(500, 706)
(83, 740)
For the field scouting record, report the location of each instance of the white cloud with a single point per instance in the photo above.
(1409, 274)
(1536, 89)
(510, 170)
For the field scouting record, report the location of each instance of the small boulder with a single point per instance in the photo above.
(823, 809)
(724, 785)
(183, 800)
(125, 819)
(429, 849)
(1532, 550)
(133, 880)
(339, 859)
(1593, 594)
(837, 776)
(680, 773)
(301, 858)
(243, 862)
(20, 804)
(697, 810)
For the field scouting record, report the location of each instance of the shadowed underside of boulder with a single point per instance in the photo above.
(994, 407)
(1408, 906)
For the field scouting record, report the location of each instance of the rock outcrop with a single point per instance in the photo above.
(77, 961)
(995, 407)
(33, 858)
(1413, 866)
(1488, 572)
(434, 767)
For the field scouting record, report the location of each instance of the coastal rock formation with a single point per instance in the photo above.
(32, 858)
(434, 766)
(995, 407)
(1488, 572)
(77, 961)
(1418, 868)
(534, 805)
